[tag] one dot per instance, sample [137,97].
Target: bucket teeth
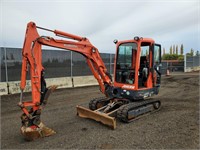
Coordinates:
[45,131]
[35,133]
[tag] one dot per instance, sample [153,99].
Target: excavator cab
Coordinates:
[137,68]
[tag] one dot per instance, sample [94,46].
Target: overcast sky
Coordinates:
[168,22]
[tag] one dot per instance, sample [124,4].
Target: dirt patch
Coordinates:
[175,126]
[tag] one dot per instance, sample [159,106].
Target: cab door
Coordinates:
[156,64]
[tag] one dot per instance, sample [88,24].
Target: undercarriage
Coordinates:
[106,110]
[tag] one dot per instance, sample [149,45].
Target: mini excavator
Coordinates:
[137,77]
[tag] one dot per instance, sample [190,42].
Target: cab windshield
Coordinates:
[126,56]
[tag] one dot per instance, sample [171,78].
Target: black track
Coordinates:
[122,112]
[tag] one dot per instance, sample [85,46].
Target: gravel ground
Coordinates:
[175,126]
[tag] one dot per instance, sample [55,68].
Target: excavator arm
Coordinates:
[32,62]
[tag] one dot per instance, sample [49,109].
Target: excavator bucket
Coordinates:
[30,133]
[36,131]
[97,116]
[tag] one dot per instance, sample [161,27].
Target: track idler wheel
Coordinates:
[98,103]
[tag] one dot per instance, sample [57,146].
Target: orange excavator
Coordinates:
[137,77]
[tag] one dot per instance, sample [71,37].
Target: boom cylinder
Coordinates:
[68,35]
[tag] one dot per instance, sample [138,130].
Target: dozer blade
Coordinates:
[97,116]
[30,133]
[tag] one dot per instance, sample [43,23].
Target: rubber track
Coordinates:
[123,110]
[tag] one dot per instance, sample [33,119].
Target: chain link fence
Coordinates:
[192,63]
[57,63]
[60,63]
[172,66]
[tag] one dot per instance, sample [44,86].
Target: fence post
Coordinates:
[110,63]
[185,62]
[192,61]
[71,63]
[167,66]
[6,69]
